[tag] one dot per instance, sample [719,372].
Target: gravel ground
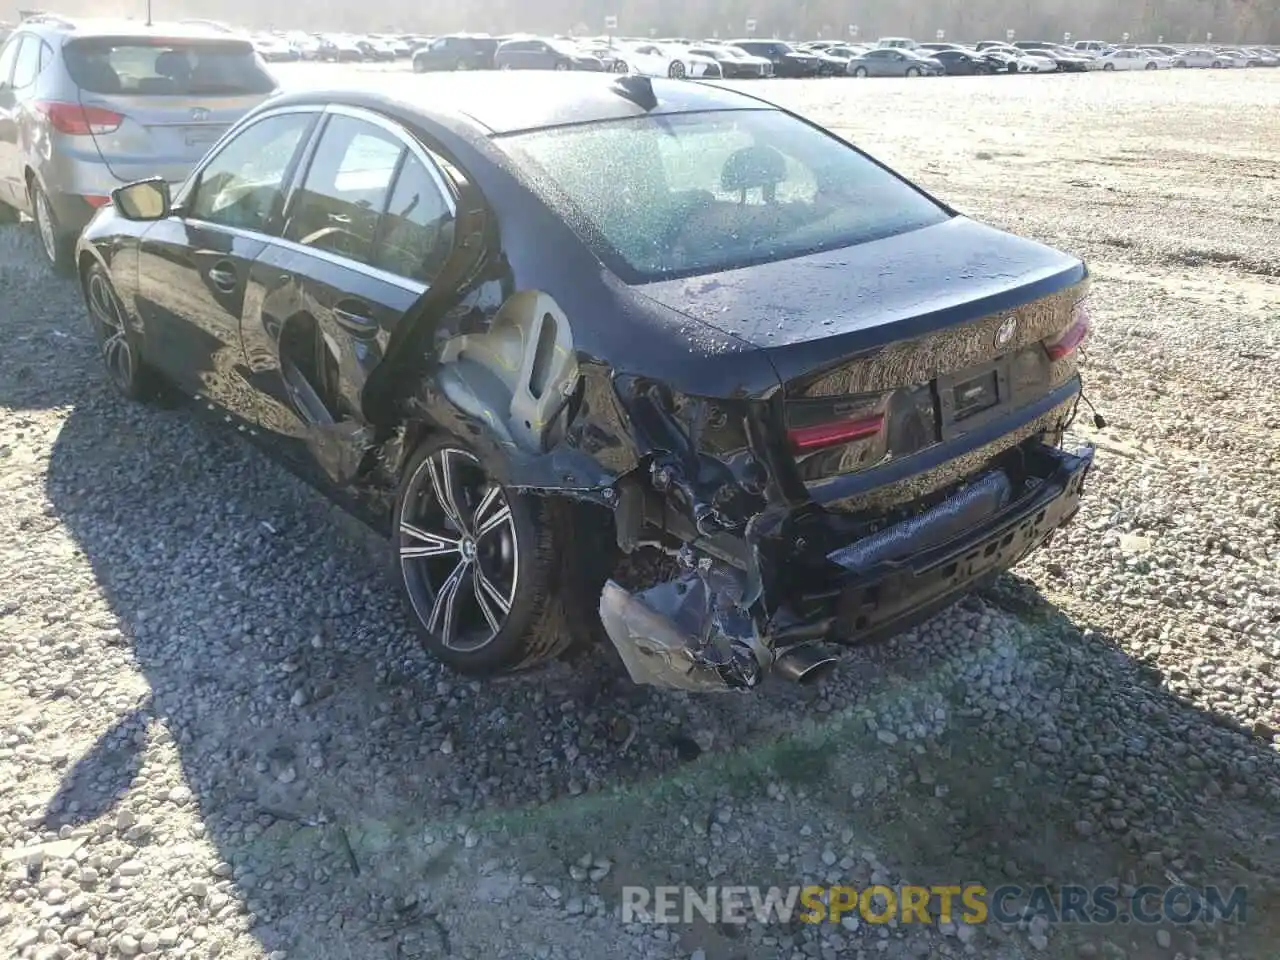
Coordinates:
[217,737]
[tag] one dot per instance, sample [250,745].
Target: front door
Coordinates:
[194,267]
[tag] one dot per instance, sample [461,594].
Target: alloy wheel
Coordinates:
[458,550]
[676,70]
[45,225]
[108,317]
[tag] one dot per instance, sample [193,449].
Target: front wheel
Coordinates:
[109,323]
[1217,64]
[912,72]
[676,71]
[1151,66]
[563,65]
[1108,66]
[860,72]
[496,580]
[621,67]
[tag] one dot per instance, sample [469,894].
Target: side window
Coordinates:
[7,56]
[27,66]
[242,185]
[346,189]
[416,235]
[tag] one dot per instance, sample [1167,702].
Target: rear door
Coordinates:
[175,97]
[365,235]
[194,267]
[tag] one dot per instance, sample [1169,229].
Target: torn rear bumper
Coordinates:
[893,595]
[698,632]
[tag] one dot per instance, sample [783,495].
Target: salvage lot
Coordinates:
[207,689]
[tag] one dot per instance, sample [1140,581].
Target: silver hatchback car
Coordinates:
[89,105]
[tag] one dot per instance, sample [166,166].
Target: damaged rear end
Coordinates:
[912,449]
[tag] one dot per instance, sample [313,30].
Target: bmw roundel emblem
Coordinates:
[1006,330]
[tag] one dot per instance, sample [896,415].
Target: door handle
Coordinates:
[222,277]
[355,320]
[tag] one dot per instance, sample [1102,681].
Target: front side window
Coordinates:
[346,189]
[683,194]
[242,186]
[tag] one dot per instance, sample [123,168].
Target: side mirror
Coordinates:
[144,200]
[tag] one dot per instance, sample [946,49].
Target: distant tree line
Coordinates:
[1177,21]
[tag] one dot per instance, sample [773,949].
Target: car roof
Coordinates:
[498,102]
[115,27]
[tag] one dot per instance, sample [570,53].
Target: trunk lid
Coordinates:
[891,346]
[174,97]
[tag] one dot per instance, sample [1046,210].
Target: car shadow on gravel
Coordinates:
[342,775]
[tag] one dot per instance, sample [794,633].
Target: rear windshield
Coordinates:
[667,196]
[162,68]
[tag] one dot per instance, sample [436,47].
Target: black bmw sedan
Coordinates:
[567,316]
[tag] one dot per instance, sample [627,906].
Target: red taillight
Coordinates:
[1065,343]
[822,435]
[78,120]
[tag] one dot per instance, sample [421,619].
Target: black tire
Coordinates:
[1151,66]
[1108,66]
[620,66]
[116,338]
[58,245]
[676,70]
[859,71]
[1217,64]
[912,72]
[542,560]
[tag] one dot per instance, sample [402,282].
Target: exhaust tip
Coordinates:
[804,665]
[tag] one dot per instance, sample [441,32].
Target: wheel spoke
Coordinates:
[115,351]
[442,484]
[480,584]
[486,504]
[491,592]
[499,518]
[429,545]
[444,612]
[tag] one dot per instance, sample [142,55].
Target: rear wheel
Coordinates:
[1108,66]
[54,240]
[419,66]
[621,67]
[496,581]
[912,72]
[461,65]
[1217,64]
[1151,66]
[676,70]
[563,65]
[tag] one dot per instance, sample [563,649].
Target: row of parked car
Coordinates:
[751,57]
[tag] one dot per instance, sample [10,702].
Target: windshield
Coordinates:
[166,67]
[678,195]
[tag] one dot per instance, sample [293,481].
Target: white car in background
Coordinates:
[1031,62]
[1131,59]
[1233,58]
[658,60]
[1200,58]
